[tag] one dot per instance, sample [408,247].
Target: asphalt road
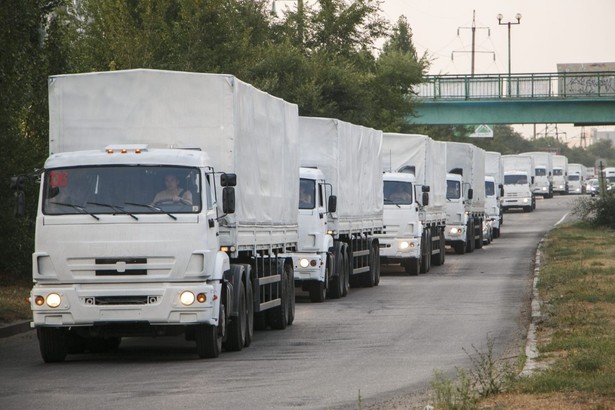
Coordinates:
[377,343]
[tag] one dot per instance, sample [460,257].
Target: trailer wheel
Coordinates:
[347,270]
[336,281]
[438,259]
[478,243]
[290,290]
[426,252]
[376,266]
[209,337]
[368,278]
[250,315]
[278,316]
[318,290]
[236,338]
[470,242]
[52,343]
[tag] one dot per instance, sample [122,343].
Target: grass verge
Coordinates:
[576,337]
[13,300]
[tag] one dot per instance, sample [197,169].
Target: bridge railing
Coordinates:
[520,86]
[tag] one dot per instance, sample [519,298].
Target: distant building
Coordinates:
[596,135]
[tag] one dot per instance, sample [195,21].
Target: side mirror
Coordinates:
[532,179]
[549,173]
[470,193]
[228,200]
[426,188]
[332,204]
[228,180]
[501,189]
[425,198]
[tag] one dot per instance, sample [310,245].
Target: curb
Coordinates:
[14,329]
[531,348]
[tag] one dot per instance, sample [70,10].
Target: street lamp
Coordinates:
[509,23]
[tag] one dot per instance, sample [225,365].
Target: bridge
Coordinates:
[581,98]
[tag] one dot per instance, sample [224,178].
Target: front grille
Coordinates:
[111,266]
[120,300]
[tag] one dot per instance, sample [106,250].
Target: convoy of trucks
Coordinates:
[186,203]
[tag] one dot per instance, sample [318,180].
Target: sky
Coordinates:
[550,32]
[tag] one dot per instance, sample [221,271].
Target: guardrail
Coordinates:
[519,86]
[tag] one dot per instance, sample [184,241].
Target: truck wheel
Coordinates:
[460,248]
[470,242]
[438,259]
[412,266]
[496,233]
[250,315]
[368,278]
[318,292]
[426,252]
[209,338]
[236,338]
[336,282]
[290,291]
[376,266]
[347,270]
[52,344]
[278,316]
[478,244]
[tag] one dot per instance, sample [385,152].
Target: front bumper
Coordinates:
[455,233]
[152,303]
[394,250]
[316,269]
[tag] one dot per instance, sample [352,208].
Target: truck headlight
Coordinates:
[186,298]
[404,245]
[455,231]
[53,300]
[304,263]
[525,200]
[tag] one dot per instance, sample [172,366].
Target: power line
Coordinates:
[474,51]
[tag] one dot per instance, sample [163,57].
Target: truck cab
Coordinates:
[457,221]
[542,182]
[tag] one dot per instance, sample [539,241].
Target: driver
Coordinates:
[173,193]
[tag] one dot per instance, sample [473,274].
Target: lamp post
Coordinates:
[509,23]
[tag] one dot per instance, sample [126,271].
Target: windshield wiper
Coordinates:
[115,208]
[155,208]
[77,207]
[393,202]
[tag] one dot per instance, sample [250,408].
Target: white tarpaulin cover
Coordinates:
[425,155]
[242,129]
[542,159]
[523,163]
[349,157]
[471,160]
[493,166]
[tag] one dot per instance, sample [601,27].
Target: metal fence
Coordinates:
[541,86]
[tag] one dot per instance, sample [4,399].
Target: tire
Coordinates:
[412,266]
[470,242]
[368,279]
[52,344]
[347,270]
[236,332]
[438,259]
[376,250]
[426,252]
[318,292]
[496,233]
[278,316]
[209,338]
[290,291]
[460,248]
[250,317]
[336,281]
[478,243]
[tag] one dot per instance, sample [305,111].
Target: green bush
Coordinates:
[598,211]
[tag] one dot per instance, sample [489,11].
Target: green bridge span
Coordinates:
[581,98]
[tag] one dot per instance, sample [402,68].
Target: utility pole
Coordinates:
[473,52]
[509,23]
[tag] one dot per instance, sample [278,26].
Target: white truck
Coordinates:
[518,177]
[543,173]
[576,178]
[340,207]
[414,201]
[167,206]
[465,195]
[494,180]
[560,174]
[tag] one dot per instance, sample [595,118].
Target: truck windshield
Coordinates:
[541,172]
[122,190]
[574,177]
[453,189]
[489,188]
[307,193]
[557,172]
[398,192]
[515,179]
